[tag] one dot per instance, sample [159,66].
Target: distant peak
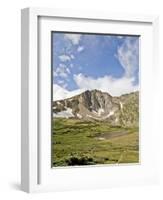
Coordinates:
[94,90]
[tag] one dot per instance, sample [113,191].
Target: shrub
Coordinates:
[79,160]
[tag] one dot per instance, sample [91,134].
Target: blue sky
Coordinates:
[92,61]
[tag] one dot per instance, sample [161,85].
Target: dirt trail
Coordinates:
[110,135]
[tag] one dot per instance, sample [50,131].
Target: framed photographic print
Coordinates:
[88,116]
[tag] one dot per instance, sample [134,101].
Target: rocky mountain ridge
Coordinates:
[100,106]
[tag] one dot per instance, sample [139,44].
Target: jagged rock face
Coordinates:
[97,105]
[94,100]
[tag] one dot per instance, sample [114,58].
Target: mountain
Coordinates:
[100,106]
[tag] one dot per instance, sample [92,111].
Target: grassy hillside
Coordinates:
[77,142]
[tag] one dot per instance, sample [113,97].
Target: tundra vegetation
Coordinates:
[78,142]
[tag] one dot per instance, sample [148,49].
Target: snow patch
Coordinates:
[121,105]
[64,114]
[110,114]
[99,112]
[102,118]
[79,116]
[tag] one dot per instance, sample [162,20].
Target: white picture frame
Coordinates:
[36,172]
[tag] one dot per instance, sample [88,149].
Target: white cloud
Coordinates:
[62,83]
[58,92]
[61,93]
[67,70]
[72,56]
[74,38]
[64,58]
[80,48]
[113,86]
[61,71]
[128,56]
